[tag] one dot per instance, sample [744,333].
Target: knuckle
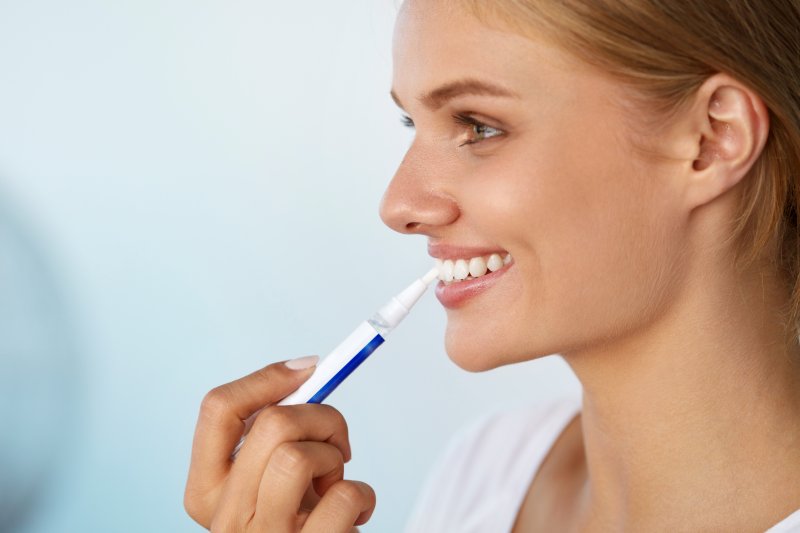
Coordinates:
[369,490]
[290,458]
[340,436]
[266,373]
[274,421]
[334,414]
[267,377]
[348,494]
[216,403]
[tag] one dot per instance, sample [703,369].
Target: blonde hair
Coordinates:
[666,49]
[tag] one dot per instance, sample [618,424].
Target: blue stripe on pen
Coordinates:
[351,365]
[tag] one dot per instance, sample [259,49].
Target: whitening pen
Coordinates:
[354,350]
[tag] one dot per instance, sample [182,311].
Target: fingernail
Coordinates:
[301,363]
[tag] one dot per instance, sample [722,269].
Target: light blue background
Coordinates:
[202,179]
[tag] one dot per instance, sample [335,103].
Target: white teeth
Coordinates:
[477,267]
[494,263]
[461,270]
[451,270]
[446,272]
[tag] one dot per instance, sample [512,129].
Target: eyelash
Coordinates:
[476,126]
[464,120]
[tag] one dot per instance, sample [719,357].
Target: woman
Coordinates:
[637,161]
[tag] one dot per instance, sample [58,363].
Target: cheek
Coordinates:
[596,242]
[609,239]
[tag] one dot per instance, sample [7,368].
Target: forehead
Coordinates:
[436,42]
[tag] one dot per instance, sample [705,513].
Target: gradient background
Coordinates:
[189,191]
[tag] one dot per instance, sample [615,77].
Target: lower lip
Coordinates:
[456,294]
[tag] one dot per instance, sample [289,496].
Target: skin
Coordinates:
[618,232]
[288,475]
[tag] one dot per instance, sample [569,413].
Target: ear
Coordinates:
[730,124]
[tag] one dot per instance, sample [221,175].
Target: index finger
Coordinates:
[222,417]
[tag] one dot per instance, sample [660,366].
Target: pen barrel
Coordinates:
[351,352]
[336,366]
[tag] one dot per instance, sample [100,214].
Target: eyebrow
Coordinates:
[438,97]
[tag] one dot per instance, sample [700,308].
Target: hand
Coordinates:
[288,475]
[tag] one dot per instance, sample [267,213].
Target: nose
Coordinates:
[416,200]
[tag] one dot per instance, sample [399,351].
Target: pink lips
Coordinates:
[455,294]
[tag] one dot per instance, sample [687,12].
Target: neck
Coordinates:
[696,417]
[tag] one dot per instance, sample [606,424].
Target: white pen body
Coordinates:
[351,352]
[337,365]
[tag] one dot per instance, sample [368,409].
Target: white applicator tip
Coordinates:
[431,275]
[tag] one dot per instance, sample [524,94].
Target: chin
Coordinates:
[471,354]
[476,351]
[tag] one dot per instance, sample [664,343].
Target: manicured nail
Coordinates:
[301,363]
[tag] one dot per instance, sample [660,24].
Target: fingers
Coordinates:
[344,504]
[274,426]
[288,475]
[220,425]
[289,472]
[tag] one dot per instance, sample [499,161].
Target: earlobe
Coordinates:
[733,129]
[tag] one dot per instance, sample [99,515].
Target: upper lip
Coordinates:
[452,251]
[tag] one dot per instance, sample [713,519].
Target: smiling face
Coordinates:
[522,149]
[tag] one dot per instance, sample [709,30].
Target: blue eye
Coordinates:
[480,130]
[407,122]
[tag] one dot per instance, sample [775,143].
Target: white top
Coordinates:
[480,482]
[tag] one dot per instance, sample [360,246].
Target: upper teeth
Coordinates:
[461,269]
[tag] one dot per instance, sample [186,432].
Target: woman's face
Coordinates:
[537,163]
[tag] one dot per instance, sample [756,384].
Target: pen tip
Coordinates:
[430,276]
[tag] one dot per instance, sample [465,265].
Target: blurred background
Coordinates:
[189,191]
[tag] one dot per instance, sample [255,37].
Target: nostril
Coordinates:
[411,226]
